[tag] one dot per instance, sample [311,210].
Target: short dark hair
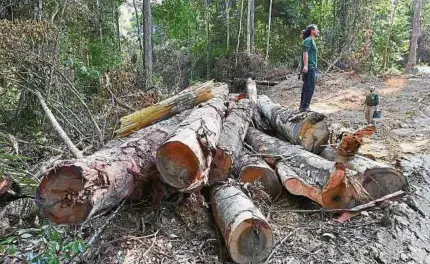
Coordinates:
[307,32]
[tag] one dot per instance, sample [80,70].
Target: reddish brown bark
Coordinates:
[74,190]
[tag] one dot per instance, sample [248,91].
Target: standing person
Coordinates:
[309,61]
[371,105]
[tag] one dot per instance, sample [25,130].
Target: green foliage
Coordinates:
[45,245]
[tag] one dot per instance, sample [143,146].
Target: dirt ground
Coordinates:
[181,230]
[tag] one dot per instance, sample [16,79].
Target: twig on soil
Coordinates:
[103,227]
[280,243]
[153,242]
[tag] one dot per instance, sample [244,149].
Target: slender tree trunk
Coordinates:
[99,19]
[227,13]
[40,11]
[75,151]
[387,45]
[139,33]
[118,30]
[250,38]
[268,30]
[148,42]
[416,32]
[240,31]
[207,37]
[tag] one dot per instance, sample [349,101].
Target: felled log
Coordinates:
[74,190]
[236,97]
[231,141]
[308,129]
[306,174]
[247,234]
[346,142]
[186,99]
[251,168]
[184,159]
[251,90]
[378,179]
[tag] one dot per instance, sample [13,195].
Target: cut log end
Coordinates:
[251,241]
[221,167]
[379,182]
[314,135]
[178,164]
[61,196]
[265,175]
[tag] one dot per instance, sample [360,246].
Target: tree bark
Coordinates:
[73,149]
[75,190]
[186,99]
[148,43]
[184,159]
[139,33]
[268,30]
[251,168]
[250,36]
[240,31]
[227,14]
[230,144]
[378,179]
[247,234]
[308,129]
[306,174]
[416,32]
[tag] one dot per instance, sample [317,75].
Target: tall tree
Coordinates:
[227,14]
[240,30]
[139,33]
[416,32]
[390,30]
[207,37]
[250,37]
[268,30]
[148,43]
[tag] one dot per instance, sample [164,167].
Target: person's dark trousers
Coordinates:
[308,89]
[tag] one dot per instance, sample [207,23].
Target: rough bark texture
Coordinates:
[247,234]
[186,99]
[250,36]
[251,168]
[306,174]
[74,190]
[184,159]
[308,129]
[377,178]
[231,141]
[416,32]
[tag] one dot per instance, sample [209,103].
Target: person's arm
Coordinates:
[305,61]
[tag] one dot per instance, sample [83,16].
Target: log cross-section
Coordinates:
[306,174]
[308,129]
[247,234]
[74,190]
[230,144]
[184,159]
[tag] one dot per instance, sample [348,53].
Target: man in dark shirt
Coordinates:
[309,60]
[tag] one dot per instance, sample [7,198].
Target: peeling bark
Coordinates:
[231,141]
[74,190]
[184,159]
[247,234]
[308,129]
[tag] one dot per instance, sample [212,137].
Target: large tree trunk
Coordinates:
[308,129]
[306,174]
[377,178]
[184,100]
[74,190]
[247,234]
[416,32]
[250,37]
[148,43]
[251,168]
[184,159]
[231,141]
[268,30]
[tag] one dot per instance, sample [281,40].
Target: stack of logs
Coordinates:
[222,141]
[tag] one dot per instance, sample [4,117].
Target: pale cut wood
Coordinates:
[251,90]
[377,178]
[308,129]
[230,144]
[184,159]
[251,168]
[246,232]
[72,191]
[186,99]
[306,174]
